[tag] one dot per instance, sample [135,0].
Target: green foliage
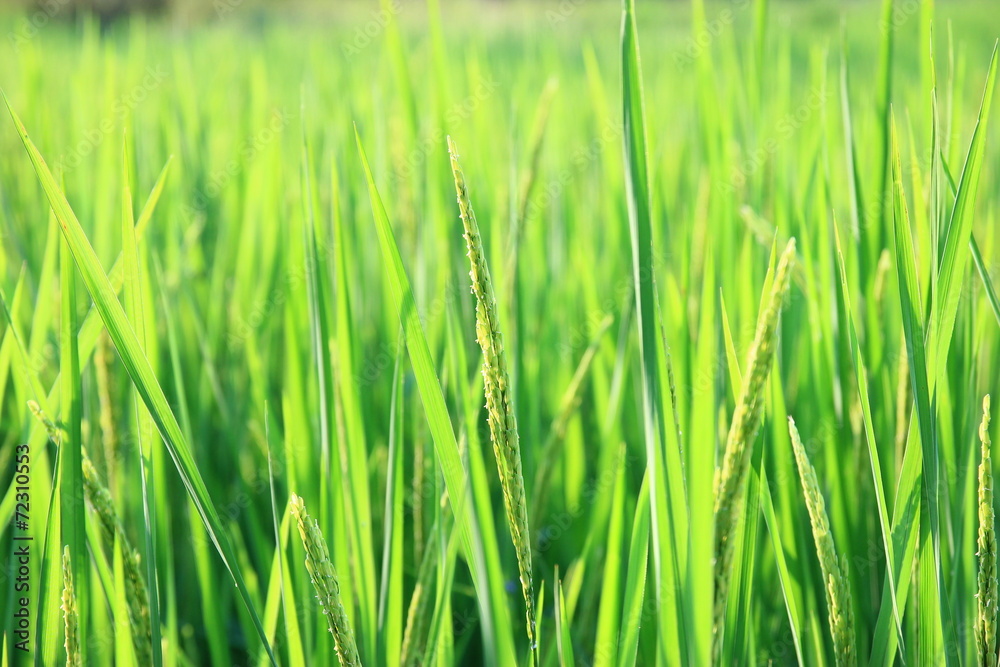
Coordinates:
[215,298]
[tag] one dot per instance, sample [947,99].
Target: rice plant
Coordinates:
[536,396]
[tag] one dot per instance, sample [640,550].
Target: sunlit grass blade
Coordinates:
[606,640]
[913,325]
[635,579]
[669,512]
[991,294]
[563,639]
[138,367]
[71,448]
[131,282]
[390,615]
[861,375]
[958,235]
[489,585]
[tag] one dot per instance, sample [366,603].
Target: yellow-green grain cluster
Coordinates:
[731,478]
[418,615]
[136,593]
[499,401]
[71,615]
[986,617]
[838,588]
[324,580]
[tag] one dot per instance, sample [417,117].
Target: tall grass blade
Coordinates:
[138,368]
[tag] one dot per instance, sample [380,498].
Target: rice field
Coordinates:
[496,333]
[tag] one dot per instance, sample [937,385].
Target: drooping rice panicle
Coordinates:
[986,597]
[50,427]
[835,570]
[109,435]
[100,500]
[903,402]
[731,477]
[71,615]
[324,580]
[881,279]
[136,593]
[418,614]
[499,401]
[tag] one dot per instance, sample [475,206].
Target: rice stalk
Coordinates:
[986,617]
[324,580]
[418,614]
[731,478]
[71,615]
[881,280]
[109,434]
[838,588]
[499,402]
[136,593]
[903,401]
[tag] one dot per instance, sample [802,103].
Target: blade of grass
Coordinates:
[496,619]
[930,618]
[669,512]
[143,422]
[861,375]
[71,448]
[138,368]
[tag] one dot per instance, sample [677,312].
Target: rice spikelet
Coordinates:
[109,432]
[499,402]
[71,615]
[903,402]
[838,589]
[986,617]
[50,428]
[730,479]
[136,593]
[324,580]
[419,612]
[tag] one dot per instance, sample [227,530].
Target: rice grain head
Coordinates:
[419,613]
[324,580]
[136,593]
[109,432]
[730,479]
[71,615]
[838,588]
[499,402]
[986,617]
